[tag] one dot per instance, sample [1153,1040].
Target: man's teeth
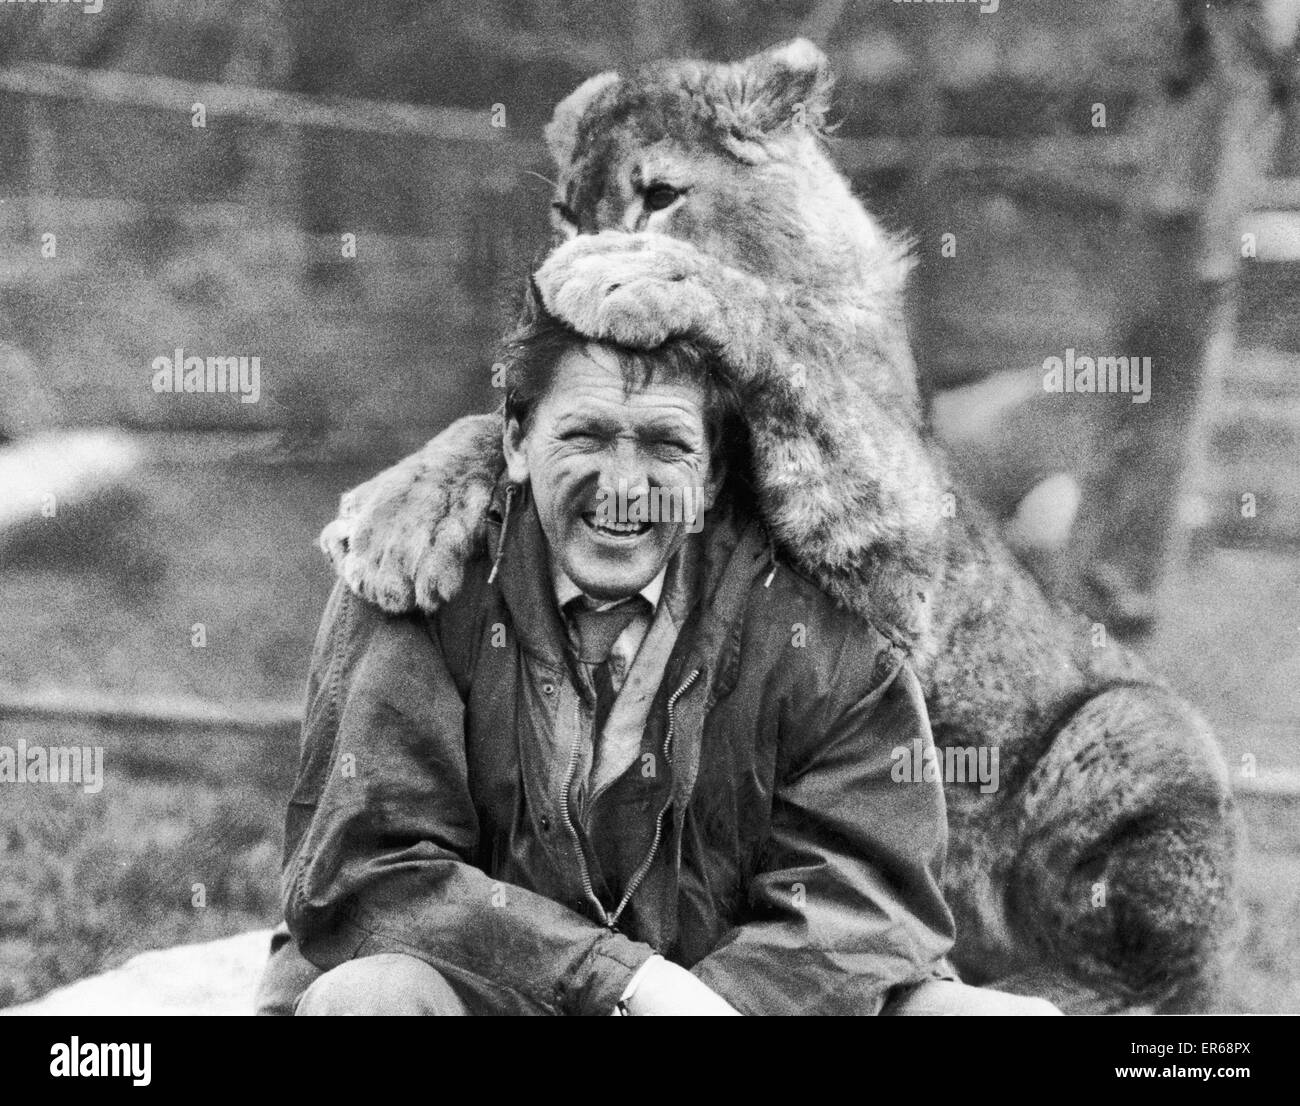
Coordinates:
[613,526]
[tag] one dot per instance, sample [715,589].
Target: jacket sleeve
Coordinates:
[847,900]
[382,829]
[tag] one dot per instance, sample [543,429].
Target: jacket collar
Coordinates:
[566,590]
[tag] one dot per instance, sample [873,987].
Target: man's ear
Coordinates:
[512,445]
[562,131]
[786,87]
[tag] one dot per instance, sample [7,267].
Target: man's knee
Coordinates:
[944,997]
[286,976]
[387,984]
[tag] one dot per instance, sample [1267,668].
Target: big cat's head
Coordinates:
[729,157]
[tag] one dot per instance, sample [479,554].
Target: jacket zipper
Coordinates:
[584,873]
[641,872]
[610,921]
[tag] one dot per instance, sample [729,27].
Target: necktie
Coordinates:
[597,631]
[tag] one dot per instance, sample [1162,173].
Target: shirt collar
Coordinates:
[566,590]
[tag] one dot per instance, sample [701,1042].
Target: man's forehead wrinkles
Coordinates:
[592,392]
[643,421]
[586,417]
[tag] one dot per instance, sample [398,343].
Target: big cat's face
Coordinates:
[738,212]
[623,184]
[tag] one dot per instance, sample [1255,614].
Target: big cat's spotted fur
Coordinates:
[1099,873]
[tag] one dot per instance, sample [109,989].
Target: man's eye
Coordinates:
[674,449]
[660,196]
[564,211]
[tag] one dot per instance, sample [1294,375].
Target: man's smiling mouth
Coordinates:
[611,528]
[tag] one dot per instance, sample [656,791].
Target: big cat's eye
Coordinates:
[660,196]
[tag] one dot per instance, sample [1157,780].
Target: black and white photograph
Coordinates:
[651,508]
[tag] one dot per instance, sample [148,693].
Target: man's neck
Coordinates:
[566,591]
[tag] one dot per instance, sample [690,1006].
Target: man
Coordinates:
[636,764]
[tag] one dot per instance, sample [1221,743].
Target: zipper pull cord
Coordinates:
[771,560]
[511,491]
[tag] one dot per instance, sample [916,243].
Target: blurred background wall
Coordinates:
[165,607]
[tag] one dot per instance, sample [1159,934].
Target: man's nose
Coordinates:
[624,471]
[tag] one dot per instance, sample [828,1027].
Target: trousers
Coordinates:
[394,984]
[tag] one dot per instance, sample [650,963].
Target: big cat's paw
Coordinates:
[402,539]
[636,290]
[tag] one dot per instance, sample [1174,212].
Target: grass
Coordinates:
[90,880]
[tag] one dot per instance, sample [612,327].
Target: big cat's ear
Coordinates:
[562,131]
[786,86]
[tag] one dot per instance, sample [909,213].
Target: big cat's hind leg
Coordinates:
[1126,847]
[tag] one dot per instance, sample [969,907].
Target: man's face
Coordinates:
[596,457]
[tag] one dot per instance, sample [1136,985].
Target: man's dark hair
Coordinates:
[531,353]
